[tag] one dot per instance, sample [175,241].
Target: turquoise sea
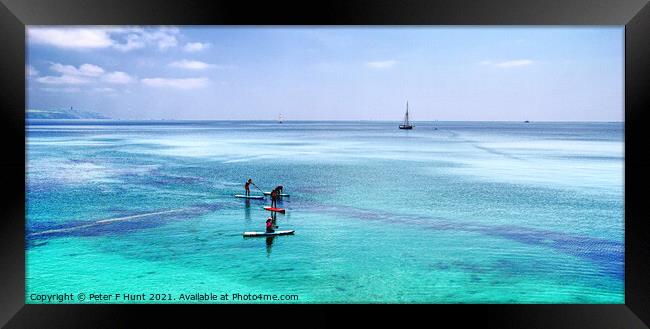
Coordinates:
[450,212]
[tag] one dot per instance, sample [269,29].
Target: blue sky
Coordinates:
[329,73]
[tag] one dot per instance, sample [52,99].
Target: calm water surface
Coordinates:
[450,212]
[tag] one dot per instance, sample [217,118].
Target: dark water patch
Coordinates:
[119,211]
[289,144]
[494,151]
[167,180]
[285,269]
[607,255]
[590,157]
[107,139]
[158,258]
[440,266]
[468,267]
[510,265]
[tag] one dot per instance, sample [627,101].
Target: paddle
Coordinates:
[258,188]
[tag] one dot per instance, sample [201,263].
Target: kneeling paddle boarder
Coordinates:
[269,225]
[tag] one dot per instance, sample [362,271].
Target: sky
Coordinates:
[329,73]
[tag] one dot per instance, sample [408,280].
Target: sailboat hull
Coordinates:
[405,127]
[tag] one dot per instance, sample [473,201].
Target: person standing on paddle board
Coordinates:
[247,186]
[274,197]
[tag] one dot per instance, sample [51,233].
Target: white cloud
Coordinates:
[510,63]
[62,90]
[188,83]
[520,62]
[77,38]
[381,64]
[71,75]
[62,80]
[191,65]
[123,39]
[163,37]
[85,73]
[133,41]
[104,90]
[117,77]
[195,46]
[87,70]
[30,71]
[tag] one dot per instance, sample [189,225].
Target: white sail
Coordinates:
[406,116]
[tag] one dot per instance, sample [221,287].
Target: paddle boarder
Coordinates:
[275,194]
[247,186]
[269,225]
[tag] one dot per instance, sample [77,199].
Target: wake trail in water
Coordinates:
[476,144]
[109,220]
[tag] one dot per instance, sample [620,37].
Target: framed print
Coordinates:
[475,158]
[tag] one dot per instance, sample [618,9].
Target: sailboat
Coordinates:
[280,118]
[406,124]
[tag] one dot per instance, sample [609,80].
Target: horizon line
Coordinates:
[317,120]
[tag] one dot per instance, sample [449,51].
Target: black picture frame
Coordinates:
[16,14]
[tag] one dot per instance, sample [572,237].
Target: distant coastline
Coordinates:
[62,114]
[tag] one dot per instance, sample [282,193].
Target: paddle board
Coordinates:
[257,234]
[280,210]
[248,196]
[281,194]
